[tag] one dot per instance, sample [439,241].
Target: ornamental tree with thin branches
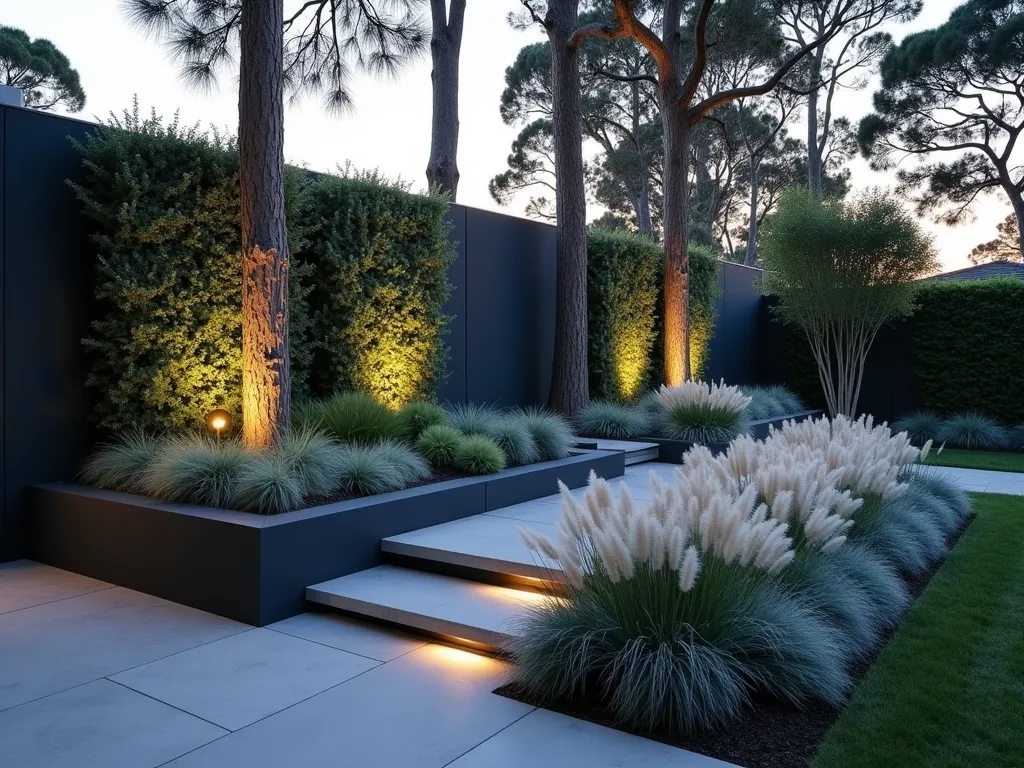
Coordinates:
[953,98]
[841,271]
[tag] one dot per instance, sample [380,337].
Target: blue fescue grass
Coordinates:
[478,455]
[920,426]
[268,485]
[350,417]
[614,421]
[551,433]
[196,470]
[416,417]
[515,441]
[972,430]
[473,418]
[438,445]
[122,465]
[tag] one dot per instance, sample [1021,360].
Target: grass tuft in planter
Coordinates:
[439,444]
[350,417]
[515,441]
[763,403]
[972,430]
[197,470]
[472,418]
[614,421]
[365,470]
[122,465]
[787,399]
[478,455]
[409,467]
[697,412]
[417,417]
[268,485]
[312,458]
[920,426]
[550,432]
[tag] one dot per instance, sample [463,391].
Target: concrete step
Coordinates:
[480,616]
[636,452]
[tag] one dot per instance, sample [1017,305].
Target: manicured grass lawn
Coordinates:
[957,457]
[949,688]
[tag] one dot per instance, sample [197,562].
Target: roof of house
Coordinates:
[985,271]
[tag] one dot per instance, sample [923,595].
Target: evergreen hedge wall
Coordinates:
[624,281]
[166,347]
[968,347]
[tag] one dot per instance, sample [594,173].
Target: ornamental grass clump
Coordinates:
[473,418]
[697,412]
[197,470]
[614,421]
[122,465]
[787,399]
[973,431]
[438,445]
[551,433]
[364,470]
[418,416]
[312,458]
[268,485]
[407,465]
[478,455]
[515,441]
[672,612]
[920,426]
[350,417]
[763,404]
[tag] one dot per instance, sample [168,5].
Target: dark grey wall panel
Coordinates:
[47,301]
[734,345]
[454,388]
[510,308]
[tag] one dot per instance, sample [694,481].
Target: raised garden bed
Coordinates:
[671,451]
[256,569]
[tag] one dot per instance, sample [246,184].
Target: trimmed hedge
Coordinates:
[624,280]
[381,258]
[166,347]
[623,283]
[968,348]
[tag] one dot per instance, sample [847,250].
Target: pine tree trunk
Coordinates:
[569,383]
[755,184]
[1017,201]
[445,47]
[642,207]
[815,169]
[676,132]
[266,379]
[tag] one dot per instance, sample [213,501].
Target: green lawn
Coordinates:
[957,457]
[949,688]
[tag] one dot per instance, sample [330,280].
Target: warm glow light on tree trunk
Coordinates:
[266,380]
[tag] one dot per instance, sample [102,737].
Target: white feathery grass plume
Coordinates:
[689,570]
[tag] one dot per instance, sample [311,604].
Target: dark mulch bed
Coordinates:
[319,499]
[770,734]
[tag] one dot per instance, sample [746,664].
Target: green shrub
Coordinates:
[920,426]
[551,433]
[166,347]
[196,470]
[418,416]
[967,349]
[268,485]
[473,419]
[122,465]
[623,279]
[478,455]
[351,417]
[972,430]
[515,441]
[381,257]
[439,444]
[612,420]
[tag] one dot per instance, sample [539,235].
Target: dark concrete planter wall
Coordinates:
[256,569]
[671,451]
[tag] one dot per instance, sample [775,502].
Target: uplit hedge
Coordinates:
[165,348]
[624,279]
[968,347]
[381,258]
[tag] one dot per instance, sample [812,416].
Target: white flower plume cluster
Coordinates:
[869,457]
[686,528]
[797,487]
[695,394]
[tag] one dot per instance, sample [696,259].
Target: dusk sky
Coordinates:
[390,126]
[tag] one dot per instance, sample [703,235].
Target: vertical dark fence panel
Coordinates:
[454,388]
[47,301]
[510,308]
[734,345]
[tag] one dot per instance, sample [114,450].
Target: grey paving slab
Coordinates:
[422,710]
[369,640]
[538,511]
[982,480]
[24,583]
[546,739]
[243,678]
[486,542]
[55,646]
[98,725]
[428,602]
